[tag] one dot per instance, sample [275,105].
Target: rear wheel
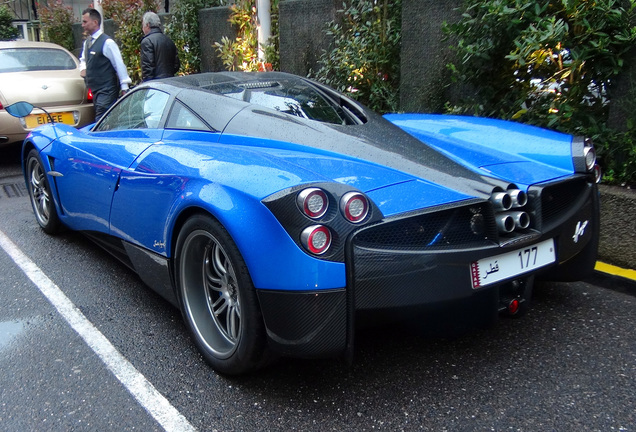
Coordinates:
[218,299]
[40,194]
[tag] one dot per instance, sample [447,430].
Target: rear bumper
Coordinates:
[321,323]
[12,130]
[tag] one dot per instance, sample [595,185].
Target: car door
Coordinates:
[87,166]
[157,179]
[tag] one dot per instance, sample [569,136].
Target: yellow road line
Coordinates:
[616,271]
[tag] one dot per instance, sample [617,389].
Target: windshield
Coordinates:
[35,59]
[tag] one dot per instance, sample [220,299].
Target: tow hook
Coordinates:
[513,295]
[510,306]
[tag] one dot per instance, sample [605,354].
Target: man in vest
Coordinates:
[101,64]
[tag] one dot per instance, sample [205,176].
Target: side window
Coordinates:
[142,109]
[181,117]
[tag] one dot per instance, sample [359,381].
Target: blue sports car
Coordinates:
[274,211]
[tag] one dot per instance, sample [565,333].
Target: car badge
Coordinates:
[579,230]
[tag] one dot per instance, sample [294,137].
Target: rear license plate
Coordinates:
[35,120]
[497,268]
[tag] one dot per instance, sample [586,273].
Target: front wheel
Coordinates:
[41,195]
[217,297]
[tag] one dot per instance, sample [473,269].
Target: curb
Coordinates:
[615,271]
[614,278]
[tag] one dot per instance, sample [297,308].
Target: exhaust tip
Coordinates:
[519,197]
[501,201]
[522,220]
[505,223]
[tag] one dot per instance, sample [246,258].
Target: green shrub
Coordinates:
[365,59]
[127,15]
[242,52]
[548,63]
[7,31]
[56,23]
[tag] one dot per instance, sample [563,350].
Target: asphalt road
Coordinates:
[569,365]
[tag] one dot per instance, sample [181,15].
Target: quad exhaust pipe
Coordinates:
[508,207]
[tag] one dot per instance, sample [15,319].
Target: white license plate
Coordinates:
[497,268]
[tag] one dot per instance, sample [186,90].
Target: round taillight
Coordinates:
[313,202]
[354,206]
[316,239]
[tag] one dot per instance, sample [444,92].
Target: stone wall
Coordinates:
[618,226]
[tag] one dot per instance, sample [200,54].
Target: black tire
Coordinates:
[41,195]
[217,297]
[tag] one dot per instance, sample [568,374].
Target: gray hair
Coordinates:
[152,19]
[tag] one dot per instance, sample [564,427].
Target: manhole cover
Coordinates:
[13,190]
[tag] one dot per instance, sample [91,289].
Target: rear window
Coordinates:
[35,59]
[294,97]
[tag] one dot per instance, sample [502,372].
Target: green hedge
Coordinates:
[550,63]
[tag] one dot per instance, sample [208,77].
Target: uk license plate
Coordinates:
[494,269]
[35,120]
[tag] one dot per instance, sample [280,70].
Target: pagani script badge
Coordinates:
[579,230]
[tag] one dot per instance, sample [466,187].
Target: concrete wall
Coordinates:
[425,54]
[302,33]
[213,25]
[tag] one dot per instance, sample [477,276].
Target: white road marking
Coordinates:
[141,389]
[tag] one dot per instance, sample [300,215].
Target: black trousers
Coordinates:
[103,100]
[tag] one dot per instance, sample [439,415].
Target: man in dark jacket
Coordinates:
[159,57]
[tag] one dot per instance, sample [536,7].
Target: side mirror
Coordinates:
[20,109]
